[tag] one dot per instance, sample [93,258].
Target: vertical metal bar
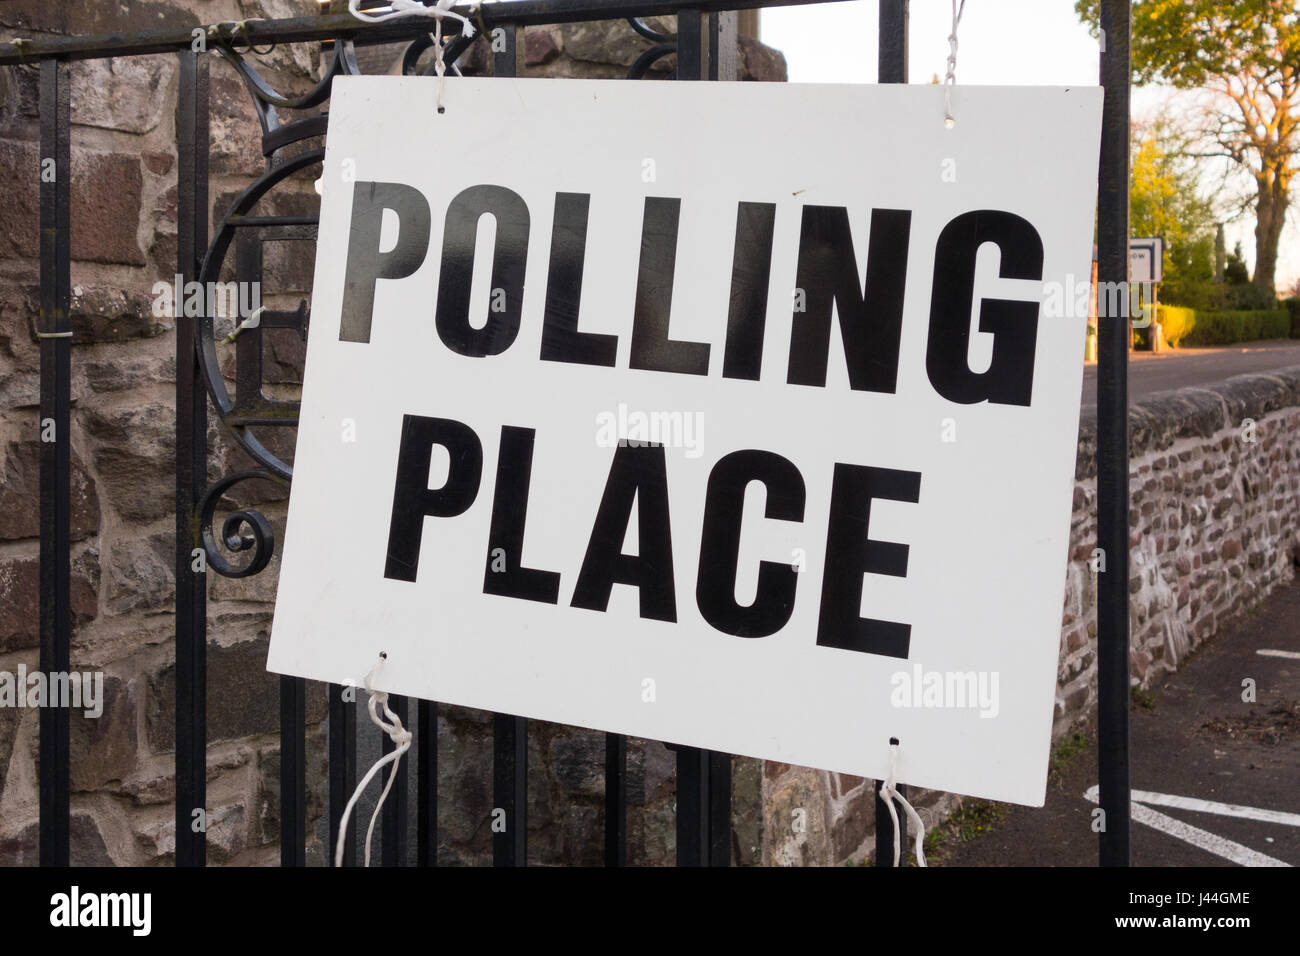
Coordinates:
[615,800]
[703,777]
[393,852]
[692,46]
[342,767]
[426,784]
[510,790]
[293,771]
[892,43]
[56,454]
[692,799]
[718,803]
[885,825]
[191,471]
[509,59]
[885,831]
[891,66]
[293,690]
[509,734]
[1112,441]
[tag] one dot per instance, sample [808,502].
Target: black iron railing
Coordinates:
[703,777]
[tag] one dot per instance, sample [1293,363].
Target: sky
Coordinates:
[1000,42]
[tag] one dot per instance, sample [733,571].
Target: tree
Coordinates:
[1164,200]
[1236,273]
[1247,53]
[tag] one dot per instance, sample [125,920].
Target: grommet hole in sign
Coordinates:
[414,8]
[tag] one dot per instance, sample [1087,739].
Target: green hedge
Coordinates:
[1194,327]
[1293,306]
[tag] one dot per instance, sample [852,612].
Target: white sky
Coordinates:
[1013,42]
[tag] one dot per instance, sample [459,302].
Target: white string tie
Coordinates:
[888,794]
[407,8]
[951,78]
[414,8]
[390,724]
[439,66]
[253,321]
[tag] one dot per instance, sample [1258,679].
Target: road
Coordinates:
[1198,740]
[1177,368]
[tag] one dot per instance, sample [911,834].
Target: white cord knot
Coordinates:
[391,725]
[414,8]
[407,8]
[888,794]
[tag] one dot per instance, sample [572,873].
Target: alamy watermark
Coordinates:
[211,299]
[133,911]
[672,429]
[1073,299]
[949,690]
[77,691]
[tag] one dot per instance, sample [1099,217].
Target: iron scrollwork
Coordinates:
[664,45]
[249,407]
[245,529]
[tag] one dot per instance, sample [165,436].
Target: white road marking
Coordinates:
[1205,840]
[1289,655]
[1211,806]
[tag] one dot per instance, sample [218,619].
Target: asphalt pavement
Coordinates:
[1178,368]
[1216,778]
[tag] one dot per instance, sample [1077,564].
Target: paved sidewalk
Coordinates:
[1178,368]
[1197,739]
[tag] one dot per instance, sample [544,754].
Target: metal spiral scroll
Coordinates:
[281,413]
[664,45]
[455,45]
[275,137]
[246,529]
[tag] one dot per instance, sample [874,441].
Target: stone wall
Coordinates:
[1214,523]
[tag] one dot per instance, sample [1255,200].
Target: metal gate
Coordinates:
[705,48]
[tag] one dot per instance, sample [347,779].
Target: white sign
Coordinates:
[718,414]
[1146,259]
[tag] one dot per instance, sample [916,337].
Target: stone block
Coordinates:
[20,494]
[87,844]
[135,456]
[141,575]
[243,698]
[20,596]
[107,314]
[103,748]
[122,93]
[796,820]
